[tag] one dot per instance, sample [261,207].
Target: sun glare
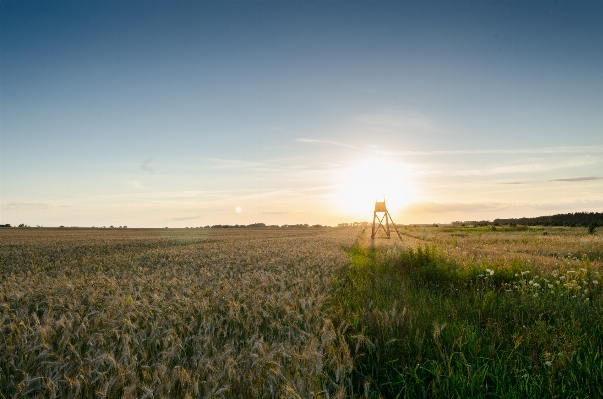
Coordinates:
[363,184]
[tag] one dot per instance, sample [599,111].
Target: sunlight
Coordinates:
[373,180]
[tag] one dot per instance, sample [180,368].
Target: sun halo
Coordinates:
[359,186]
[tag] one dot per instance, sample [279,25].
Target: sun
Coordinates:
[359,186]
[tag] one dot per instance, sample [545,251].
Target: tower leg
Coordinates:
[387,223]
[374,217]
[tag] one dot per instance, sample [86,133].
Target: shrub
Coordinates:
[592,227]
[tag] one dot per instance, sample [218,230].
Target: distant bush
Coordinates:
[592,227]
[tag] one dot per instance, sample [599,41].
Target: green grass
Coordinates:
[419,326]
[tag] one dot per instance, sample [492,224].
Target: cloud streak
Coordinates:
[330,142]
[406,121]
[532,167]
[574,179]
[30,205]
[180,219]
[145,166]
[536,150]
[135,184]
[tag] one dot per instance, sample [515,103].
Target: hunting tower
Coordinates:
[381,208]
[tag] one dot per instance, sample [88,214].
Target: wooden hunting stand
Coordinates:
[380,207]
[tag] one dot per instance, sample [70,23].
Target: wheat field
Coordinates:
[171,313]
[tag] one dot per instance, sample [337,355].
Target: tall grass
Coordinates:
[421,325]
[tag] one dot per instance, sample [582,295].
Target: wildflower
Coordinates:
[548,363]
[583,270]
[525,376]
[571,271]
[536,285]
[480,275]
[595,282]
[551,286]
[531,282]
[562,278]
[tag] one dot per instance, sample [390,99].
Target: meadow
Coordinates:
[317,312]
[501,312]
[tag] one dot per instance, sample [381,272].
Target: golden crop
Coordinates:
[544,248]
[170,313]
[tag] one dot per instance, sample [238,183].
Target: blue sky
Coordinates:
[194,113]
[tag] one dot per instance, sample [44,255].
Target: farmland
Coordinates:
[169,313]
[447,312]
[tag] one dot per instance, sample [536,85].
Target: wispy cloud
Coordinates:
[135,184]
[532,167]
[31,205]
[534,150]
[180,219]
[446,207]
[516,182]
[572,179]
[397,120]
[426,172]
[322,141]
[568,179]
[145,166]
[221,163]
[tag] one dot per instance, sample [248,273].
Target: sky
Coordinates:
[177,114]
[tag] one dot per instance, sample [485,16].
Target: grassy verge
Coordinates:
[419,326]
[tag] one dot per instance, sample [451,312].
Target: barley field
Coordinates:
[444,312]
[170,313]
